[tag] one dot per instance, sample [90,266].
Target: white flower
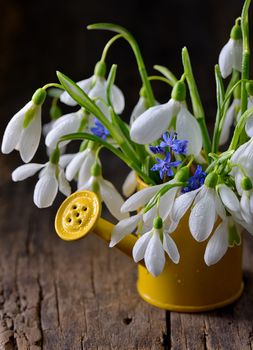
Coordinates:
[150,247]
[67,124]
[130,184]
[204,213]
[139,200]
[49,182]
[108,193]
[149,126]
[95,87]
[231,57]
[80,166]
[139,109]
[243,156]
[24,139]
[230,117]
[227,234]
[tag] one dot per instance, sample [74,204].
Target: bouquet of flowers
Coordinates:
[167,146]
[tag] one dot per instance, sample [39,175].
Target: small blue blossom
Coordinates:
[100,130]
[171,141]
[195,181]
[156,149]
[164,166]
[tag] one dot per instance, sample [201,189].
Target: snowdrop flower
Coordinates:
[205,210]
[149,126]
[139,109]
[67,124]
[150,247]
[80,166]
[130,184]
[24,130]
[51,178]
[145,219]
[105,189]
[227,234]
[95,87]
[244,157]
[231,116]
[231,55]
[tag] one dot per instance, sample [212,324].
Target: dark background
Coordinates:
[38,38]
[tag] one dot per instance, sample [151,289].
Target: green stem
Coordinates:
[158,78]
[108,45]
[240,128]
[167,73]
[198,110]
[58,86]
[132,42]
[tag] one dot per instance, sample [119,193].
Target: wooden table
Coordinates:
[81,295]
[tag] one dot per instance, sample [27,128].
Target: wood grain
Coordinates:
[82,295]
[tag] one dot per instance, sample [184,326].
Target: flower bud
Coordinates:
[236,32]
[96,170]
[211,180]
[179,91]
[158,223]
[183,174]
[246,183]
[39,96]
[100,69]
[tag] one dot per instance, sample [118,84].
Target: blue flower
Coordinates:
[156,149]
[164,166]
[100,130]
[195,181]
[171,141]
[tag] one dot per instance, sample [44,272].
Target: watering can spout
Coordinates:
[80,214]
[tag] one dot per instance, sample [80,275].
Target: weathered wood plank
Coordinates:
[58,295]
[229,328]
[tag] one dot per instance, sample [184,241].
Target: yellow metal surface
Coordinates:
[192,286]
[77,215]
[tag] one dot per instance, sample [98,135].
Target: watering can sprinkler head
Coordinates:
[80,214]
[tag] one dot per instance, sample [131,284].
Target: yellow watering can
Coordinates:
[190,286]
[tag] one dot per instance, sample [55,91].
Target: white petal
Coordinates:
[166,202]
[245,208]
[228,198]
[228,122]
[220,209]
[188,128]
[65,159]
[249,127]
[68,125]
[217,245]
[45,191]
[112,199]
[85,170]
[182,204]
[13,130]
[99,89]
[83,84]
[251,203]
[25,171]
[64,186]
[130,184]
[140,198]
[171,249]
[226,59]
[30,137]
[141,246]
[139,109]
[238,182]
[118,100]
[75,164]
[123,228]
[202,217]
[149,126]
[237,55]
[154,256]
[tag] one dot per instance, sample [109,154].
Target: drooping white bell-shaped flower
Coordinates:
[51,179]
[95,87]
[150,247]
[138,110]
[155,121]
[231,54]
[130,184]
[23,132]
